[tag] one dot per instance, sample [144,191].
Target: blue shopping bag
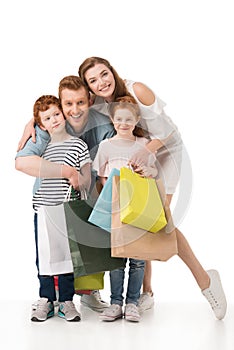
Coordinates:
[102,210]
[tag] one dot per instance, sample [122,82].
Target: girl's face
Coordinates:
[52,120]
[124,121]
[101,81]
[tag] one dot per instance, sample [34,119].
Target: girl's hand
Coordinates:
[29,131]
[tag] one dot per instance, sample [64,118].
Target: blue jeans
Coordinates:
[135,280]
[47,287]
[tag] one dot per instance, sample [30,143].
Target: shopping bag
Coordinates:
[101,213]
[89,282]
[53,247]
[90,245]
[132,242]
[140,201]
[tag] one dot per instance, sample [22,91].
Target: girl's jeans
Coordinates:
[47,287]
[135,280]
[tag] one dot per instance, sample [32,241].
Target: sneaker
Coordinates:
[131,313]
[68,311]
[215,295]
[145,302]
[35,304]
[94,301]
[44,310]
[111,313]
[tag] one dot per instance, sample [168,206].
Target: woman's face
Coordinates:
[101,81]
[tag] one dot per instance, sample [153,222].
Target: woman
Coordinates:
[105,85]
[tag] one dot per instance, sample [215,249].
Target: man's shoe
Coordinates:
[111,313]
[131,313]
[68,311]
[145,302]
[44,310]
[94,301]
[215,295]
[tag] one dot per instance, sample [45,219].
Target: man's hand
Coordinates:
[29,131]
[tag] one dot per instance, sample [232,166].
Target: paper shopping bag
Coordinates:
[140,201]
[53,247]
[101,213]
[90,245]
[132,242]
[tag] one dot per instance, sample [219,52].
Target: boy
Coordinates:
[70,153]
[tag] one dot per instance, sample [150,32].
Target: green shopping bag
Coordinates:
[90,246]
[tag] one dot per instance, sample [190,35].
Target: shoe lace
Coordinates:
[97,295]
[41,304]
[131,308]
[70,305]
[212,300]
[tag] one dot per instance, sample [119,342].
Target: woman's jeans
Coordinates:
[47,287]
[135,280]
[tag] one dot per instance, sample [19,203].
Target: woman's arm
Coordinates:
[145,95]
[29,131]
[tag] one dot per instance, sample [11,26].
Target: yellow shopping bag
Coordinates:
[140,202]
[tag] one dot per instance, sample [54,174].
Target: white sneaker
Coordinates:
[112,313]
[36,303]
[94,301]
[131,313]
[215,295]
[68,311]
[145,302]
[44,310]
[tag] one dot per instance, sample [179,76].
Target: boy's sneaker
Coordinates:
[68,311]
[35,304]
[145,302]
[111,313]
[94,301]
[132,313]
[44,310]
[215,295]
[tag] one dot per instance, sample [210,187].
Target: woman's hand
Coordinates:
[29,131]
[141,158]
[145,171]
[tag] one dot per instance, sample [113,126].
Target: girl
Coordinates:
[112,153]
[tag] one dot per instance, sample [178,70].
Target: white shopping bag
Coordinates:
[53,245]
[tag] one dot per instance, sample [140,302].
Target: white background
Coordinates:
[183,50]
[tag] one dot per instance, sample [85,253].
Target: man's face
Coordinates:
[75,104]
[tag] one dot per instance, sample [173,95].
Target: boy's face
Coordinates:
[75,104]
[52,120]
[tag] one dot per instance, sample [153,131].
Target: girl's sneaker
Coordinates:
[132,313]
[111,313]
[43,310]
[68,311]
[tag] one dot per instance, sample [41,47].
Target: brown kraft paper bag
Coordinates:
[131,242]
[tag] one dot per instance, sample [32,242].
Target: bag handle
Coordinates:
[71,191]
